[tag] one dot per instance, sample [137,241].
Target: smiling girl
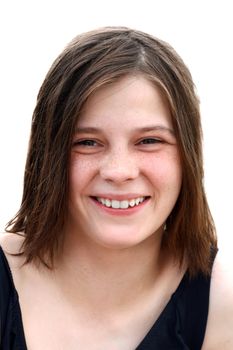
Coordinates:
[114,245]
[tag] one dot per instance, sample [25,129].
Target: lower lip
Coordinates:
[121,212]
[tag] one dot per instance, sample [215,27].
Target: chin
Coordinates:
[123,239]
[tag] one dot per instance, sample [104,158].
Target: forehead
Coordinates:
[132,98]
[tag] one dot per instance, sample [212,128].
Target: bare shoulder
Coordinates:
[11,244]
[219,334]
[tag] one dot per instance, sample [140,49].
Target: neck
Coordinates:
[98,275]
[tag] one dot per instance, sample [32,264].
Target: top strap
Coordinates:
[195,303]
[6,287]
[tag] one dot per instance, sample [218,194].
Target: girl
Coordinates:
[114,244]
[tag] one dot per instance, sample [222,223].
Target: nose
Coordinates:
[119,166]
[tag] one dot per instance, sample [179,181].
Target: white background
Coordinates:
[34,32]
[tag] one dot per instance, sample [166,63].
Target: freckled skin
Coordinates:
[119,162]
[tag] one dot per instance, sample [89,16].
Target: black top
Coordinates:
[180,326]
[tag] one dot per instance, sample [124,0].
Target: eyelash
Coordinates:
[84,143]
[147,141]
[89,142]
[90,146]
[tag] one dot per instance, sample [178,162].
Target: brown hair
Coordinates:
[92,60]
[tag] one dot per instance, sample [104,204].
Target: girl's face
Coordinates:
[125,172]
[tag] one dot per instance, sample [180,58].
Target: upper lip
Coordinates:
[120,197]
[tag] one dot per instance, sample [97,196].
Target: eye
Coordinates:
[85,143]
[87,146]
[149,141]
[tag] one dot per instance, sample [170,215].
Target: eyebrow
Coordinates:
[90,129]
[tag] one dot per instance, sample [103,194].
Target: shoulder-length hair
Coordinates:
[89,62]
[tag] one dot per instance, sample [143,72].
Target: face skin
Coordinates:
[124,148]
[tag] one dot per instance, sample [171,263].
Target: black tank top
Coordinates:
[180,326]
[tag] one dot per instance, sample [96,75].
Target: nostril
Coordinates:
[117,174]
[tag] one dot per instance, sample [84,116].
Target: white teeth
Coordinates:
[116,204]
[132,203]
[107,202]
[125,204]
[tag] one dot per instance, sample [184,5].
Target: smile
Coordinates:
[125,204]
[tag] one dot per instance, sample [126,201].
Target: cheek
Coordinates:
[81,172]
[164,170]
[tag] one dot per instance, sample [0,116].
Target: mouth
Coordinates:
[124,204]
